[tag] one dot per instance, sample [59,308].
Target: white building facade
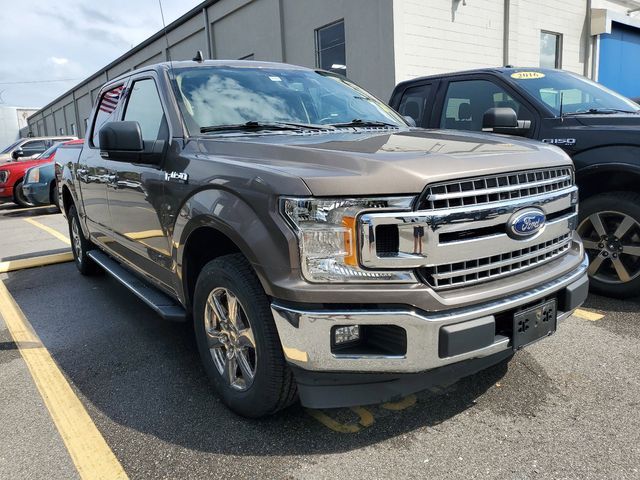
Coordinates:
[379,43]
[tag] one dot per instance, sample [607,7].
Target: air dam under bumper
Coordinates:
[329,378]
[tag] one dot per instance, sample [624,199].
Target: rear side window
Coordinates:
[34,147]
[144,107]
[106,110]
[414,104]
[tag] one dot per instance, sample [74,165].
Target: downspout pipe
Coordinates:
[587,42]
[505,32]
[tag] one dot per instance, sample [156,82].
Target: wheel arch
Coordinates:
[608,177]
[216,222]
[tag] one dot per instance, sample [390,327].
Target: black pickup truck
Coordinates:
[598,128]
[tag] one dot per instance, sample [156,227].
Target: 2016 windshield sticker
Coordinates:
[527,75]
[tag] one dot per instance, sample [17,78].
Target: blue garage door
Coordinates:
[619,67]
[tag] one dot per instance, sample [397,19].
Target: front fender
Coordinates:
[611,157]
[260,233]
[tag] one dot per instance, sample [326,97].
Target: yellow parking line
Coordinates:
[406,402]
[41,261]
[587,315]
[55,233]
[89,451]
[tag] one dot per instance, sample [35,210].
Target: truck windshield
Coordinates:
[230,96]
[578,94]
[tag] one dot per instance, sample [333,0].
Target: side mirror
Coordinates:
[504,120]
[121,137]
[17,153]
[122,142]
[410,120]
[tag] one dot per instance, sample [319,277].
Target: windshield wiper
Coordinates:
[599,110]
[254,126]
[357,122]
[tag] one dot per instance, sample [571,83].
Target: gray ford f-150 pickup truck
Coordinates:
[322,247]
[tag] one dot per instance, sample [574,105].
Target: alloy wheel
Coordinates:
[77,241]
[230,339]
[612,241]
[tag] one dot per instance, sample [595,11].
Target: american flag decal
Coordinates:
[110,100]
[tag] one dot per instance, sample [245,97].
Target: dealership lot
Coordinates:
[568,407]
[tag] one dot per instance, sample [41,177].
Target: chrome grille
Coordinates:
[495,188]
[489,268]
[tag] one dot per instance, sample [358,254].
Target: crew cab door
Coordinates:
[416,101]
[136,196]
[94,173]
[461,102]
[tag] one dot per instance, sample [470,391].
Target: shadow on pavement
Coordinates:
[15,211]
[136,371]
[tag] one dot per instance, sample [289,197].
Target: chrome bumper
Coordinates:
[305,335]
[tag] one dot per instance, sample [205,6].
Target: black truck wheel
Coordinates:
[19,196]
[80,245]
[610,229]
[238,341]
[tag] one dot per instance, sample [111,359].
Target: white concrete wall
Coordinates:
[435,36]
[12,119]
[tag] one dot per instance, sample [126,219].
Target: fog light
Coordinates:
[345,334]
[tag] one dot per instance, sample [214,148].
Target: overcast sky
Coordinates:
[70,39]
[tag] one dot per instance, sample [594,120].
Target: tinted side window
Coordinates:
[34,147]
[414,104]
[467,100]
[145,108]
[106,109]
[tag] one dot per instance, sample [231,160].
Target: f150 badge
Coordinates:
[526,223]
[560,141]
[176,177]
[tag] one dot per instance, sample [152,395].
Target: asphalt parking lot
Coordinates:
[564,408]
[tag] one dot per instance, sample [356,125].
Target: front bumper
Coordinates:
[37,193]
[6,193]
[305,337]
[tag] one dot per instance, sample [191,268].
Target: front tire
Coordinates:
[80,246]
[609,225]
[238,341]
[19,196]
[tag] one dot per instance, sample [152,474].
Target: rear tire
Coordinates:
[241,353]
[19,196]
[80,246]
[609,225]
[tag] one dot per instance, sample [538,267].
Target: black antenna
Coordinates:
[561,104]
[166,38]
[199,57]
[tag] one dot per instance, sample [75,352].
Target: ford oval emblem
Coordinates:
[526,223]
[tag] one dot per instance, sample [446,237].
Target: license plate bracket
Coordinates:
[534,323]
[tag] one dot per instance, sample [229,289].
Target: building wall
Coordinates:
[386,41]
[270,30]
[435,36]
[12,120]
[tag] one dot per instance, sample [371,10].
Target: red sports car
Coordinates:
[12,175]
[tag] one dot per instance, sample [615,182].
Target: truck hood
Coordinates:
[611,121]
[383,162]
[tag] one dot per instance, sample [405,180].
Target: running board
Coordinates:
[164,305]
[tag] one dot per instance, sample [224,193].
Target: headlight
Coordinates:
[326,230]
[34,176]
[4,176]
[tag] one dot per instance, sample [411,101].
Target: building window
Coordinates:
[61,131]
[73,129]
[330,48]
[550,50]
